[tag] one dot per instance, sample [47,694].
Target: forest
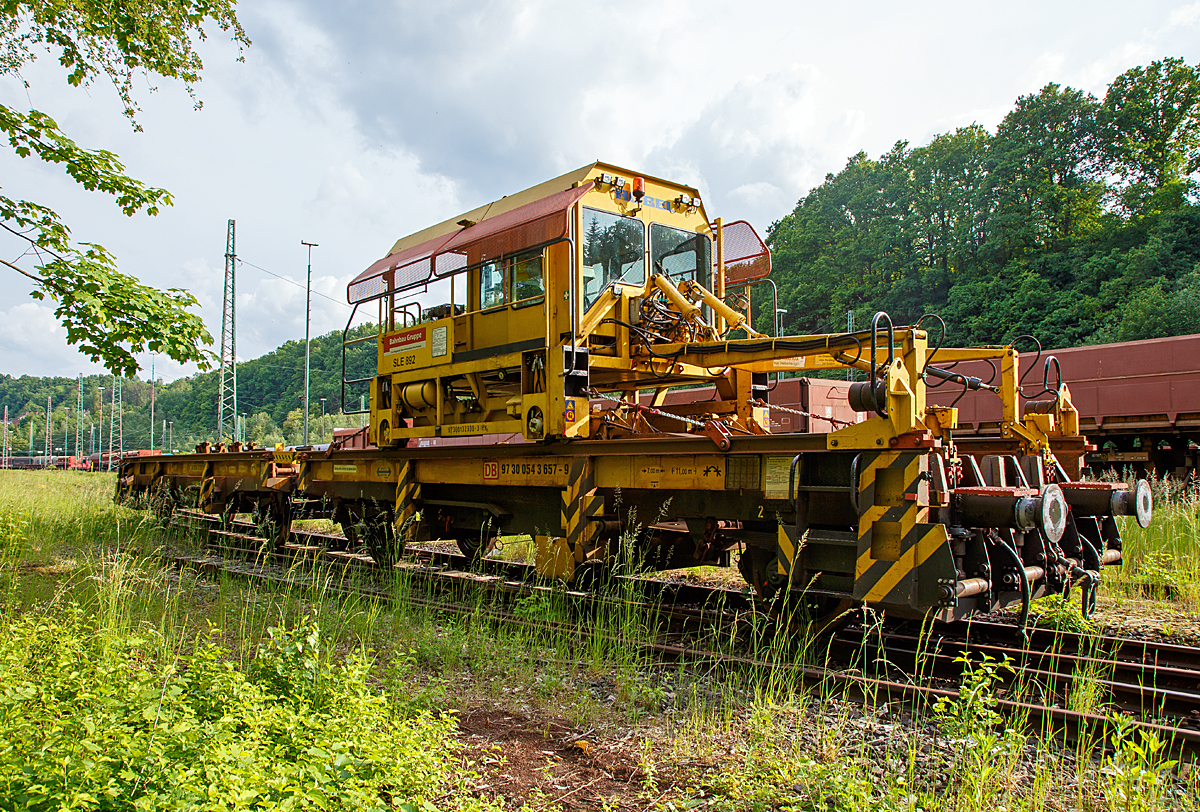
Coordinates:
[1077,222]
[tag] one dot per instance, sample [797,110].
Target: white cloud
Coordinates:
[1046,68]
[1185,16]
[32,341]
[354,124]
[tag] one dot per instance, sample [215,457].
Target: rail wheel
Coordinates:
[476,547]
[228,515]
[827,614]
[758,566]
[162,502]
[595,573]
[819,613]
[125,493]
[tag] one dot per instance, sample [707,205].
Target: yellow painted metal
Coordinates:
[1033,430]
[553,557]
[453,358]
[680,472]
[941,420]
[726,313]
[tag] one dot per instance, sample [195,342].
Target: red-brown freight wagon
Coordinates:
[1138,401]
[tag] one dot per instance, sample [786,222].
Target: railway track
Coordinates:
[1155,683]
[1141,678]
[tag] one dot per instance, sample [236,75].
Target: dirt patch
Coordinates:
[61,566]
[546,762]
[1140,618]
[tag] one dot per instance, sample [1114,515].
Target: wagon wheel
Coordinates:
[162,502]
[125,493]
[826,614]
[594,573]
[476,547]
[758,567]
[820,614]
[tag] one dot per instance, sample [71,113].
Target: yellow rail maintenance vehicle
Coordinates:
[558,320]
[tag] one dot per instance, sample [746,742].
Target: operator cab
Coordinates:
[502,319]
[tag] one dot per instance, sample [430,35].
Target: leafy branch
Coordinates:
[109,315]
[35,133]
[94,37]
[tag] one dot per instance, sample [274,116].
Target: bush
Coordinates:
[90,721]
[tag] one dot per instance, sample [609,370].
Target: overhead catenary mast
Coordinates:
[307,320]
[112,422]
[48,442]
[227,393]
[78,418]
[120,418]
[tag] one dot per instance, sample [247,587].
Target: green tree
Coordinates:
[109,315]
[1000,234]
[1047,156]
[1152,118]
[293,427]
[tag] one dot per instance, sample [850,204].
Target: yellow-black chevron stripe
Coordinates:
[580,503]
[408,492]
[207,486]
[891,581]
[894,526]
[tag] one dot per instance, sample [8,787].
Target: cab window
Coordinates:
[614,249]
[679,254]
[517,280]
[527,281]
[493,292]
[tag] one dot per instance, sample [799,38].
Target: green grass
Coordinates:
[1163,560]
[125,683]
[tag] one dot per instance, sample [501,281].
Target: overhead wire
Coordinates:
[291,281]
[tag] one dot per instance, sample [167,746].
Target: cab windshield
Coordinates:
[614,249]
[679,254]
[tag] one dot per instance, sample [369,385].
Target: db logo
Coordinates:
[491,469]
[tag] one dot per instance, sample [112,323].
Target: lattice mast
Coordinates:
[49,443]
[227,393]
[120,418]
[112,424]
[78,417]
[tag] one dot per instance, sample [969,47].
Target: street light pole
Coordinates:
[322,419]
[307,319]
[152,402]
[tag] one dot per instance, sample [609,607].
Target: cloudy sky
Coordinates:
[352,124]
